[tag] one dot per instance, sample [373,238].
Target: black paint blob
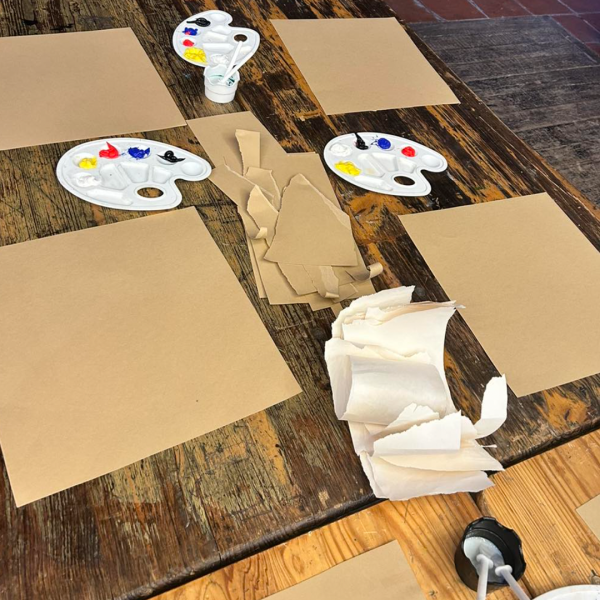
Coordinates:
[360,143]
[169,156]
[200,21]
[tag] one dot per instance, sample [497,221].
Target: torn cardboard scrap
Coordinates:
[301,245]
[386,365]
[310,230]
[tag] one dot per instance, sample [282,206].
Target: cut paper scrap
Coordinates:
[260,286]
[325,281]
[467,458]
[380,574]
[417,328]
[493,407]
[310,230]
[298,278]
[385,363]
[401,483]
[590,513]
[382,389]
[530,280]
[121,341]
[262,213]
[265,180]
[434,437]
[74,86]
[238,189]
[249,143]
[362,81]
[413,414]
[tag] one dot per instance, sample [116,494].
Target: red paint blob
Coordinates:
[111,152]
[408,151]
[187,43]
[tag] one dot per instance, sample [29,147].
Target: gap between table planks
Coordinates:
[256,483]
[539,498]
[428,530]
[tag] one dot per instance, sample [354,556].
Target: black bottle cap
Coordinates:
[504,539]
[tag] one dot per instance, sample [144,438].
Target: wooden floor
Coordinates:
[422,528]
[538,498]
[540,81]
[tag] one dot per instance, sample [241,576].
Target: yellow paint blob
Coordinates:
[88,163]
[195,54]
[348,167]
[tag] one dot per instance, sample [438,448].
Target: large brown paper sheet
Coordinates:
[530,282]
[122,341]
[355,65]
[590,513]
[71,86]
[380,574]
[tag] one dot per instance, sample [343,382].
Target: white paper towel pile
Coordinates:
[386,364]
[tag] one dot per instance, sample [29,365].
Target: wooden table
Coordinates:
[258,482]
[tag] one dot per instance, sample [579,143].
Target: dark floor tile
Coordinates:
[546,7]
[538,79]
[501,8]
[593,19]
[454,10]
[411,12]
[583,6]
[579,28]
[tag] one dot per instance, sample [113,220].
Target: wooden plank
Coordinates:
[538,498]
[483,27]
[553,87]
[548,88]
[545,116]
[258,482]
[421,527]
[477,50]
[563,134]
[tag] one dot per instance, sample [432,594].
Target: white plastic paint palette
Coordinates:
[112,172]
[383,163]
[207,39]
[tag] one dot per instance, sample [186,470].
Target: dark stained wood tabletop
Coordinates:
[189,510]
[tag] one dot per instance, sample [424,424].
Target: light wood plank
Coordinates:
[538,498]
[427,529]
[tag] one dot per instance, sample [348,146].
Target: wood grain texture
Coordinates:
[427,529]
[538,498]
[541,81]
[204,504]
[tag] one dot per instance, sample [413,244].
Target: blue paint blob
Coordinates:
[384,144]
[138,153]
[190,31]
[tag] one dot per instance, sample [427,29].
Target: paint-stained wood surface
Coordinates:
[427,529]
[541,81]
[258,482]
[539,498]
